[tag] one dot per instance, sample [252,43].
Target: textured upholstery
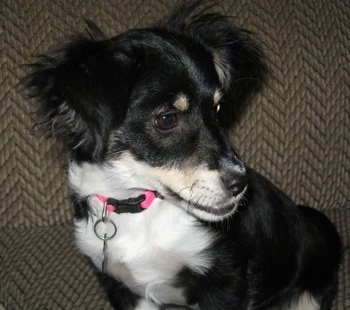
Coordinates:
[296,132]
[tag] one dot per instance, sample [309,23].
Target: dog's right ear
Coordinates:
[237,57]
[82,89]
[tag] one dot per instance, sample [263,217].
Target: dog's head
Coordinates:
[154,104]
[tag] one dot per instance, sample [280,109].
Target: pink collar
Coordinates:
[131,205]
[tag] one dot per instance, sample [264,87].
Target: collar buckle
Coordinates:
[130,205]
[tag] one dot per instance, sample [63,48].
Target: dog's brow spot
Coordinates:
[181,103]
[217,96]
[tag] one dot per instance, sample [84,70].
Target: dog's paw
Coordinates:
[174,307]
[146,305]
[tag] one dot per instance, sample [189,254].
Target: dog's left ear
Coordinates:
[238,58]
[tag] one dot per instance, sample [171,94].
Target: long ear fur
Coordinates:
[237,57]
[82,89]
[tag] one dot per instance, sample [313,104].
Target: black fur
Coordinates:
[271,250]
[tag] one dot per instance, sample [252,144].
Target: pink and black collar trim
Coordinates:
[130,205]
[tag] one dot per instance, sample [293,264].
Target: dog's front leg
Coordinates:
[144,304]
[173,307]
[147,305]
[121,297]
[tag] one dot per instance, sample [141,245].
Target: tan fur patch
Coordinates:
[181,103]
[217,96]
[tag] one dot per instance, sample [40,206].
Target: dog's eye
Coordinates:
[166,121]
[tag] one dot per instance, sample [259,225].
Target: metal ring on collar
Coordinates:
[105,236]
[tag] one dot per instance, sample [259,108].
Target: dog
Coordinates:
[165,209]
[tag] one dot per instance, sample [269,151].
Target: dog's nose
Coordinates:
[235,182]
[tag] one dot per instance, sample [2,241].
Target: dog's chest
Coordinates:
[149,248]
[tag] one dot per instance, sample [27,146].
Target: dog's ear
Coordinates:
[82,88]
[237,57]
[238,62]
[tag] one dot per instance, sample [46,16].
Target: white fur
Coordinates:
[146,305]
[151,247]
[305,302]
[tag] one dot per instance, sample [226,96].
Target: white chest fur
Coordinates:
[150,247]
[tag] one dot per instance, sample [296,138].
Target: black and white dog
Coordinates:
[164,207]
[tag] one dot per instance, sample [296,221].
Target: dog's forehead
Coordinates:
[175,71]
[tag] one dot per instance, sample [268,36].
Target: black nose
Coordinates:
[235,182]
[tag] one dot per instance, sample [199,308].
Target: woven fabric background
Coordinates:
[296,132]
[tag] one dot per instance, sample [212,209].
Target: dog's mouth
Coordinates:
[219,210]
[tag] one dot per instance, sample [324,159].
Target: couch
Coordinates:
[296,132]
